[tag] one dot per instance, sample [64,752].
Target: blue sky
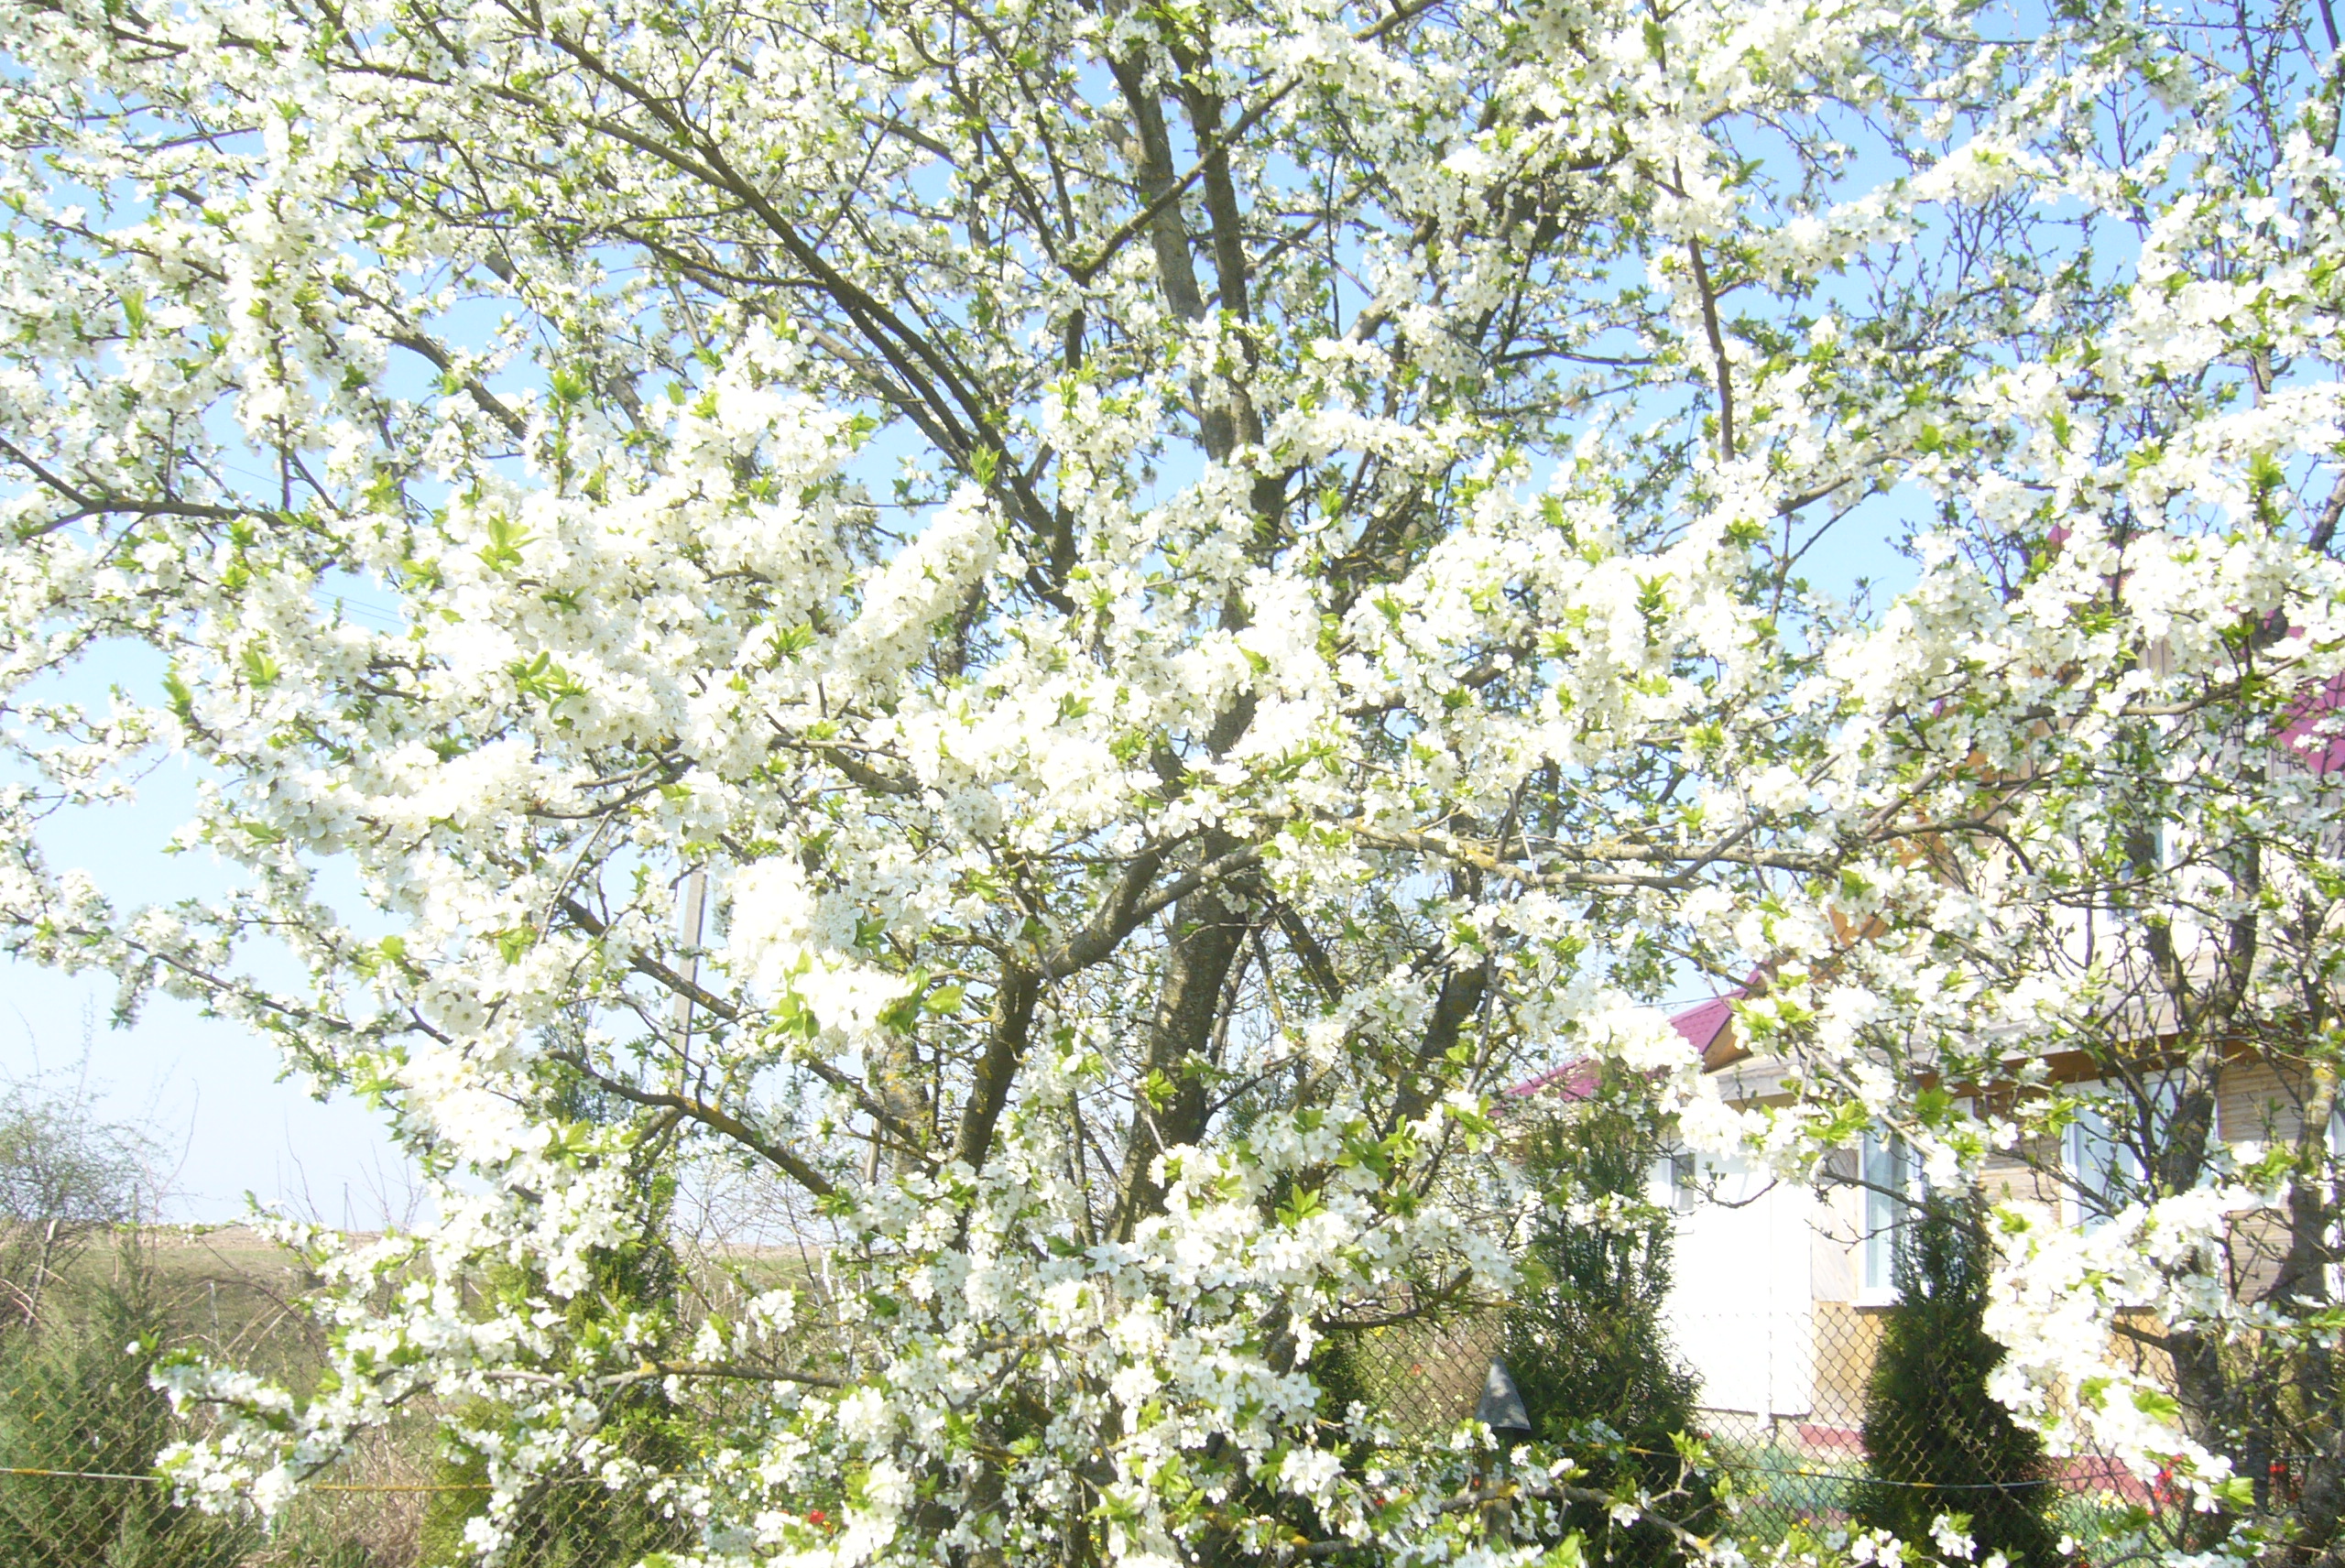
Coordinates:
[207,1090]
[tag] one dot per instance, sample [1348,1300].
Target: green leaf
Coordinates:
[505,538]
[181,696]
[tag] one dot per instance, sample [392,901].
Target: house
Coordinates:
[1779,1289]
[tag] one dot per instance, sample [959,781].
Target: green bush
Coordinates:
[1584,1337]
[572,1521]
[74,1396]
[567,1524]
[1937,1441]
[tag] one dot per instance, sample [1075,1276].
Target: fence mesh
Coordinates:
[1797,1465]
[80,1428]
[83,1317]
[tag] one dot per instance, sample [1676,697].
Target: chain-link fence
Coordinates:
[1800,1464]
[80,1428]
[83,1317]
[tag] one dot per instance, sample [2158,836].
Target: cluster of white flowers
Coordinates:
[1075,636]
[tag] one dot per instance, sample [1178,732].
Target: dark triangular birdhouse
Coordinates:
[1501,1406]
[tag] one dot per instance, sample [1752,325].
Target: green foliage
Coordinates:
[572,1522]
[1585,1340]
[1937,1441]
[1341,1379]
[74,1396]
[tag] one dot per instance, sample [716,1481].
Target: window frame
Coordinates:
[2333,1275]
[1889,1178]
[2088,1138]
[1676,1179]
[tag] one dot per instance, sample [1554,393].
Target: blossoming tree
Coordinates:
[1068,632]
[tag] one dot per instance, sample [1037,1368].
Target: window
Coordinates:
[2104,1172]
[2098,1169]
[2335,1272]
[1677,1180]
[1890,1176]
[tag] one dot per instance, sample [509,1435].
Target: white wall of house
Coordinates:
[1761,1268]
[1740,1309]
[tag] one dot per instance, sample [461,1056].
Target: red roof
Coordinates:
[1573,1081]
[1701,1025]
[2314,733]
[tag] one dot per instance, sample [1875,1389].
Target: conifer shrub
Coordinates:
[1936,1440]
[74,1398]
[1584,1336]
[1337,1372]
